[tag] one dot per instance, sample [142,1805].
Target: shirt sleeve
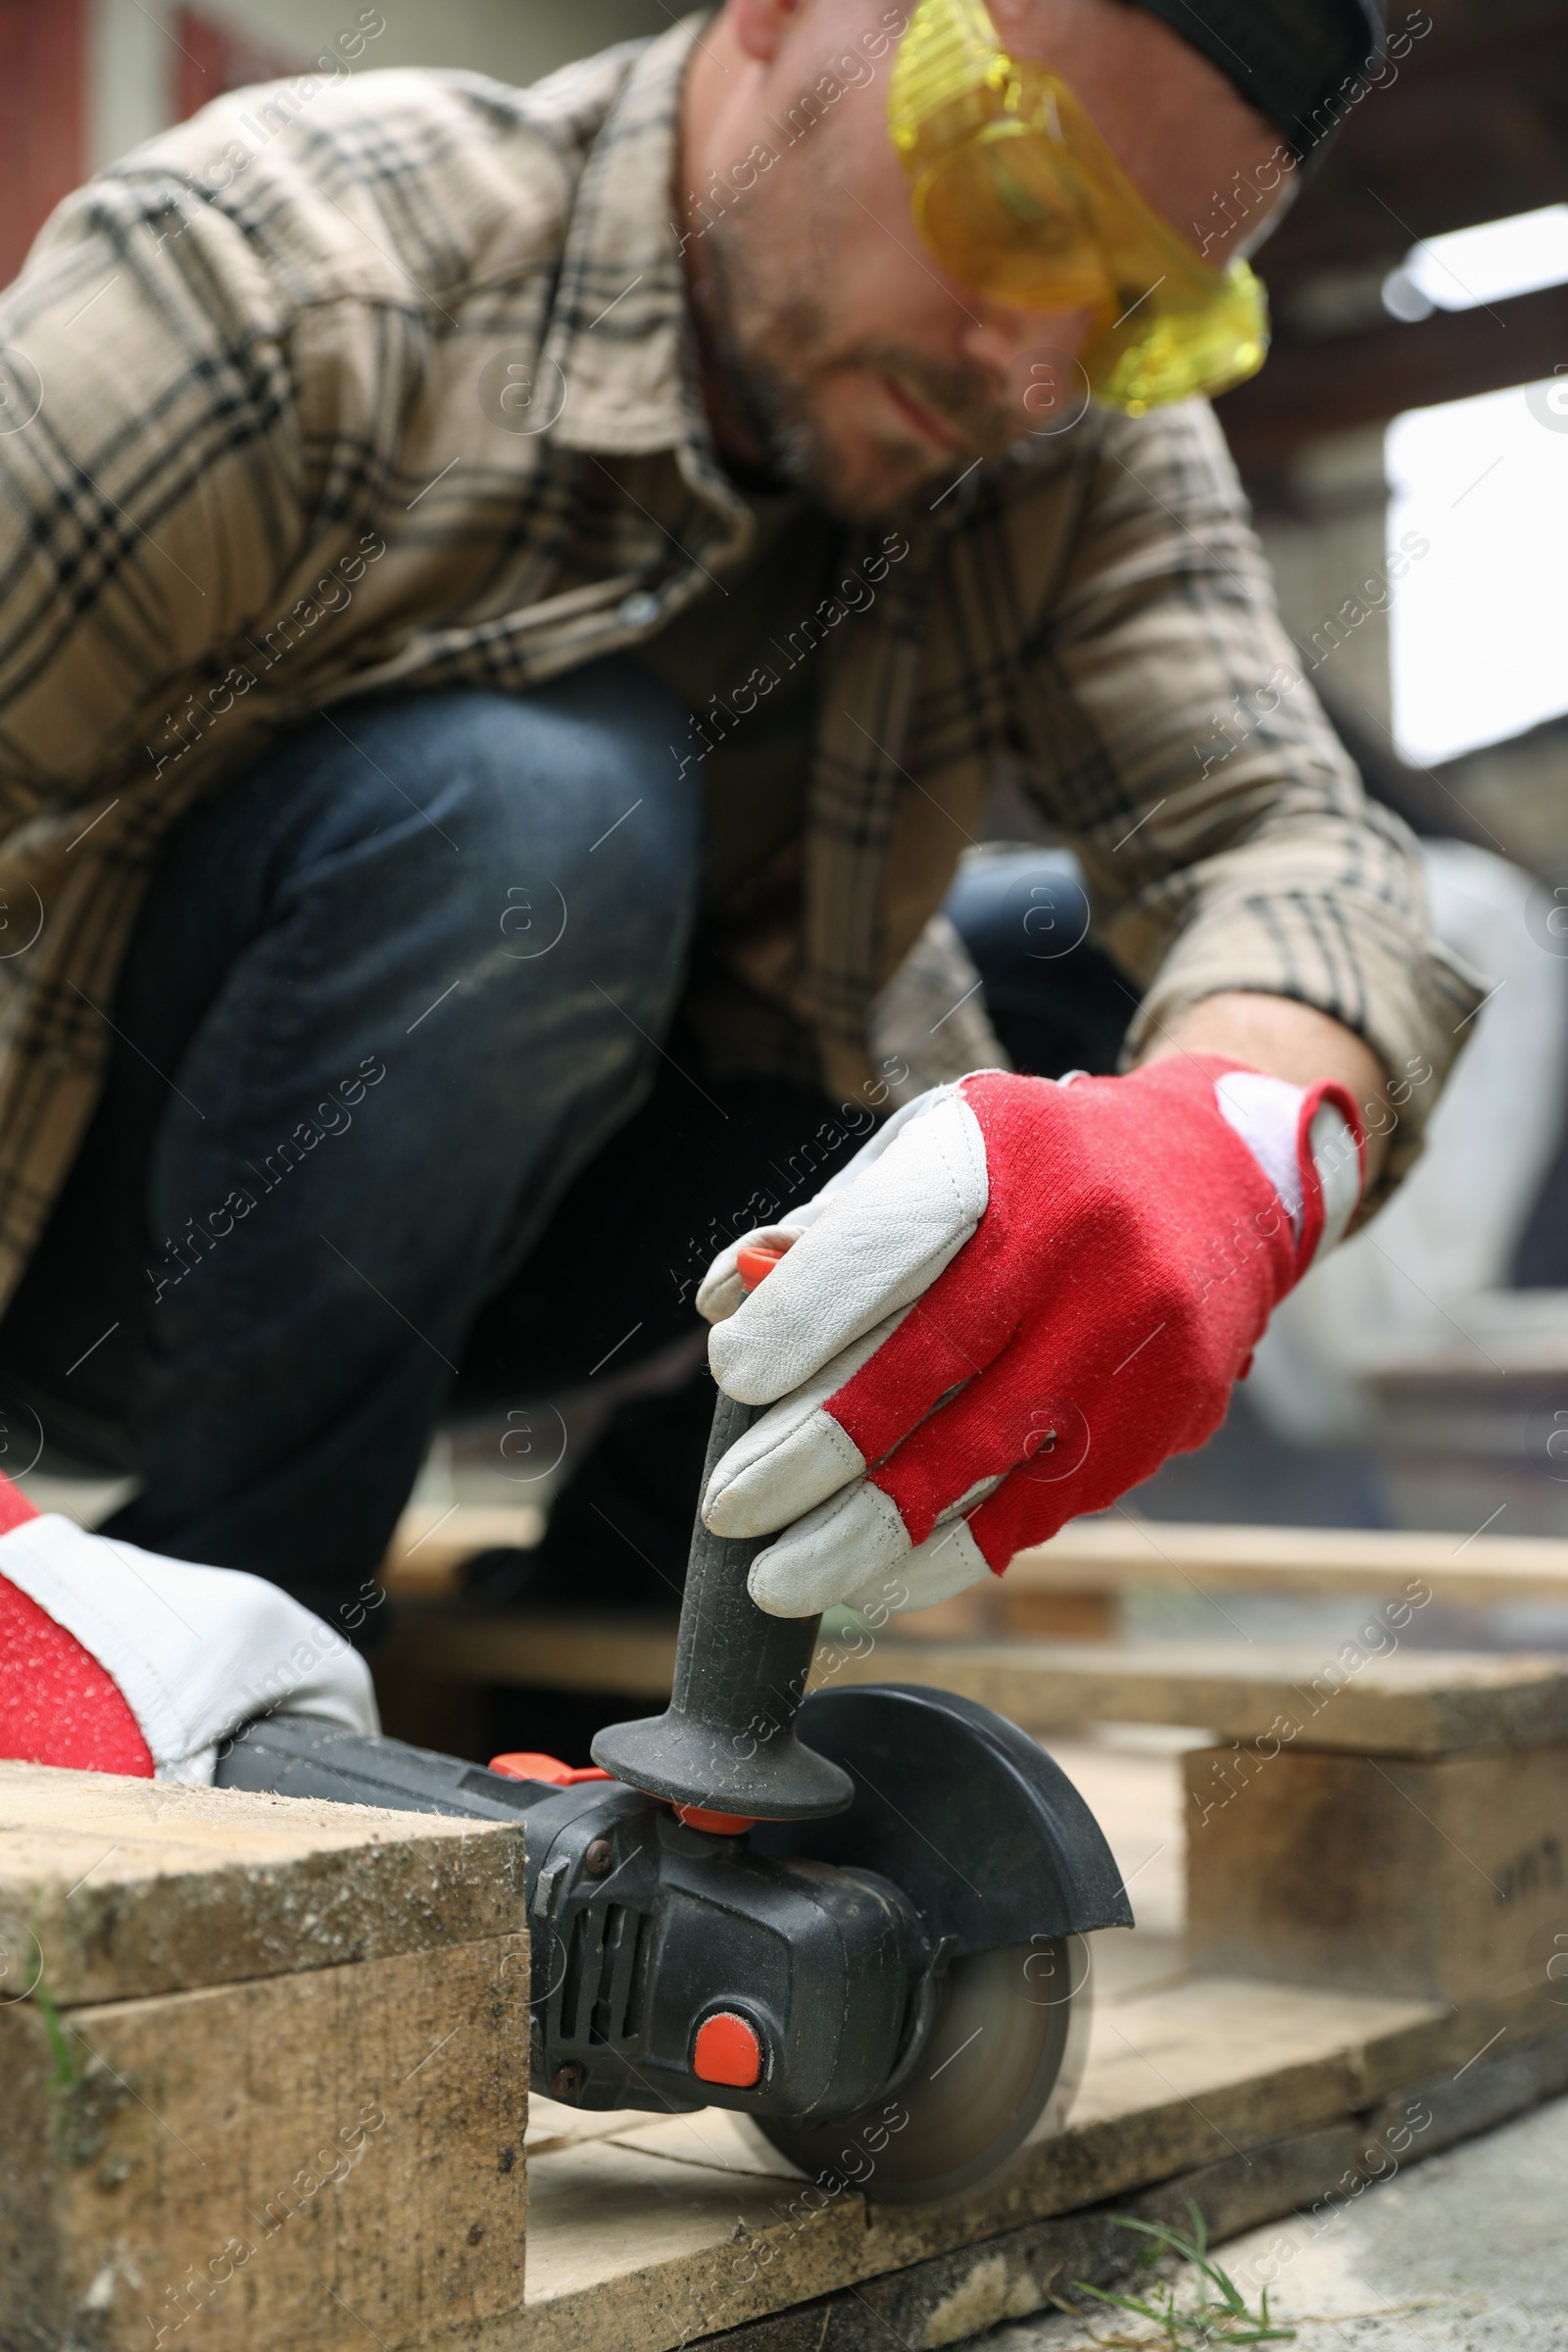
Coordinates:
[152,480]
[1172,731]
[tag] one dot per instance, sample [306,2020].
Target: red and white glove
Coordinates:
[113,1660]
[1013,1303]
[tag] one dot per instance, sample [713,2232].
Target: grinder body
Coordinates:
[643,1929]
[850,1917]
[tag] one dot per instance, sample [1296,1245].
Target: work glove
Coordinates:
[113,1660]
[1012,1305]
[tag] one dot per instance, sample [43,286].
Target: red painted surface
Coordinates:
[42,118]
[214,58]
[727,2051]
[530,1764]
[717,1825]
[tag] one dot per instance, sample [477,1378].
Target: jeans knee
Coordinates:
[504,824]
[569,812]
[1020,913]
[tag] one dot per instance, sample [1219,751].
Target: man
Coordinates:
[508,592]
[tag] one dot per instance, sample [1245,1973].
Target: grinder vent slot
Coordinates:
[631,2018]
[621,1930]
[572,1981]
[600,1984]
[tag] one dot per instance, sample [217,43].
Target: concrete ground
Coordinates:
[1467,2252]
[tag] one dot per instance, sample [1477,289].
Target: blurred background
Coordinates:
[1416,403]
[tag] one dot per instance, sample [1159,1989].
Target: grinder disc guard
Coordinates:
[1000,2069]
[1006,1865]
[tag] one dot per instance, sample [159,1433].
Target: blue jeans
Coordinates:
[399,1111]
[389,993]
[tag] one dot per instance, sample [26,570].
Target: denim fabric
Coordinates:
[1054,998]
[390,992]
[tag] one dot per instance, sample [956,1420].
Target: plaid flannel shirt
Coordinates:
[386,383]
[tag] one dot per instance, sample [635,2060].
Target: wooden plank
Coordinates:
[257,2166]
[1119,1553]
[1436,1877]
[653,2233]
[1408,1703]
[1309,389]
[934,2302]
[266,2066]
[1055,1612]
[1123,1553]
[431,1543]
[126,1887]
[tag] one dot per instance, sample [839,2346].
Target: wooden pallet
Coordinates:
[1072,1589]
[1410,1702]
[1113,1554]
[219,1990]
[1254,2099]
[266,2070]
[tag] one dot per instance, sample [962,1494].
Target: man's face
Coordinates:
[837,349]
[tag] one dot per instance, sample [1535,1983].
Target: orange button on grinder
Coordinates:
[729,2050]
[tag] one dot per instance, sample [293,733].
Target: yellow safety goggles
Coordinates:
[1019,197]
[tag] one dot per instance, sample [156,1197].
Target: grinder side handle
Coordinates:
[728,1743]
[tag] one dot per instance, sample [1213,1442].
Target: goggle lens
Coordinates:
[1019,198]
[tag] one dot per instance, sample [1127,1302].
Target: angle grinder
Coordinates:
[853,1918]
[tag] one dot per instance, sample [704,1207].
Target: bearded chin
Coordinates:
[777,412]
[777,358]
[768,378]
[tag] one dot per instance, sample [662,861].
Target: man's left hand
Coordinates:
[1015,1303]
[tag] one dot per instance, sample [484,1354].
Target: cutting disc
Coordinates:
[999,2067]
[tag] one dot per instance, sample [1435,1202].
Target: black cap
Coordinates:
[1298,61]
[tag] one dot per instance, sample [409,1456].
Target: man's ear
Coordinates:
[760,25]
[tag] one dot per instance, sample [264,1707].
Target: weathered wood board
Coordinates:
[1422,1703]
[1439,1876]
[123,1887]
[645,2235]
[945,2296]
[266,2069]
[1117,1552]
[1122,1551]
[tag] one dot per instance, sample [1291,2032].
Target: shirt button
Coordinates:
[635,612]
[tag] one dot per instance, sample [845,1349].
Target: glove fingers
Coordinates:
[722,1291]
[958,1453]
[843,1546]
[876,1246]
[856,1548]
[792,1458]
[948,1561]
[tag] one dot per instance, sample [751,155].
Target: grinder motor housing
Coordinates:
[726,1913]
[828,1939]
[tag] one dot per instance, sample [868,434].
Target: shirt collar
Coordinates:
[619,330]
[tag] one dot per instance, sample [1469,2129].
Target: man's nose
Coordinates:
[1026,355]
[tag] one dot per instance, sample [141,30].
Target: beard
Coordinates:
[776,361]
